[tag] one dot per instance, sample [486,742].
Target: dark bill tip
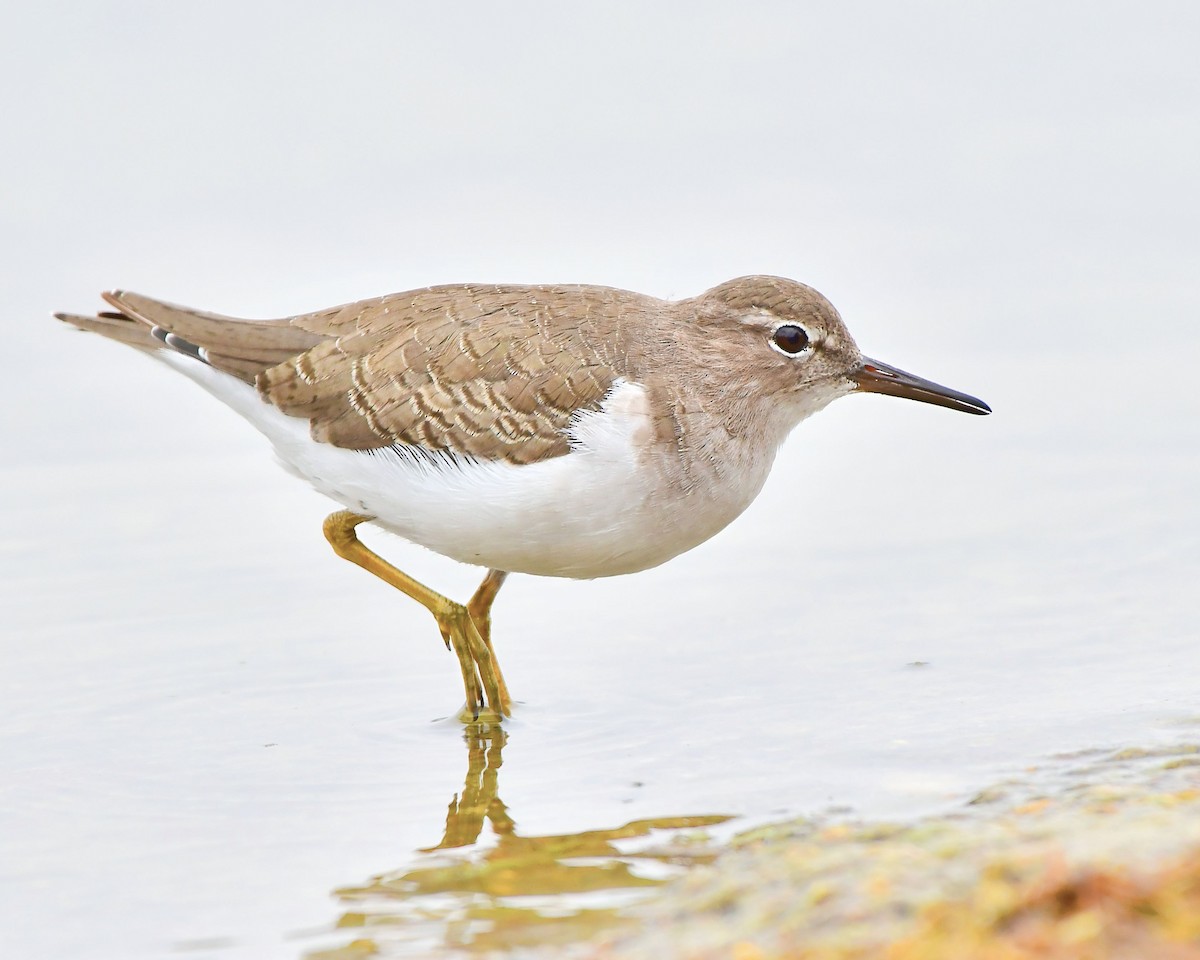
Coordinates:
[876,377]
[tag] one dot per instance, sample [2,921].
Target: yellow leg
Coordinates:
[455,622]
[480,609]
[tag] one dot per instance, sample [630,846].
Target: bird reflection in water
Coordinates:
[519,890]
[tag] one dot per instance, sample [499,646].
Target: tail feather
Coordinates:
[256,339]
[115,326]
[241,348]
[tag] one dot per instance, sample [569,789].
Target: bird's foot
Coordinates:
[485,689]
[481,617]
[479,718]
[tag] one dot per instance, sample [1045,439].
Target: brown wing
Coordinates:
[491,372]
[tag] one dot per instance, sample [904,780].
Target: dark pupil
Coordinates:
[791,339]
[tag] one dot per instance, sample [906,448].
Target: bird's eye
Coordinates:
[790,339]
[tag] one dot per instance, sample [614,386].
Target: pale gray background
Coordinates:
[1001,196]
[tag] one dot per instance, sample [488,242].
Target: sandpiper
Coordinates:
[565,431]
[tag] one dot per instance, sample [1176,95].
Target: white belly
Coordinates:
[600,510]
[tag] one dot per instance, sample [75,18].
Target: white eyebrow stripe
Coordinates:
[762,318]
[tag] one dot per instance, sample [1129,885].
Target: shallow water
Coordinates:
[218,735]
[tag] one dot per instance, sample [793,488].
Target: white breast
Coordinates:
[603,509]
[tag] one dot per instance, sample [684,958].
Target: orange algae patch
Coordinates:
[1040,912]
[1107,867]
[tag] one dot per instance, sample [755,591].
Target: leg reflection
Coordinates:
[467,893]
[480,798]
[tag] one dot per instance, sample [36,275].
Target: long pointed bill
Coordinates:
[876,377]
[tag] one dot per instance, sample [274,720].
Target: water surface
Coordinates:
[213,724]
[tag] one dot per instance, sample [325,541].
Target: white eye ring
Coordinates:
[791,339]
